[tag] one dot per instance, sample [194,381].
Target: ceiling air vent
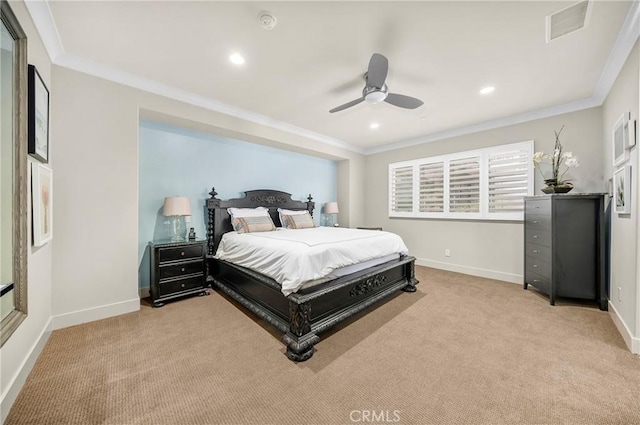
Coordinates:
[567,20]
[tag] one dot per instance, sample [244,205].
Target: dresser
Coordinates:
[177,269]
[564,238]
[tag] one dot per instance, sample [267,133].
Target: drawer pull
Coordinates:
[182,253]
[536,250]
[535,266]
[536,280]
[182,285]
[535,221]
[182,269]
[535,236]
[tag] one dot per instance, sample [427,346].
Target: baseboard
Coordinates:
[474,271]
[632,343]
[144,292]
[16,384]
[97,313]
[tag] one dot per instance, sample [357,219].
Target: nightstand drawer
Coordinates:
[174,287]
[181,269]
[541,282]
[181,252]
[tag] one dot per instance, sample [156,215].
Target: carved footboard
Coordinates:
[305,315]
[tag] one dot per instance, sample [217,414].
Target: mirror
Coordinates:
[13,174]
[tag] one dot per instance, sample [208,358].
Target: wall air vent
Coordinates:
[567,20]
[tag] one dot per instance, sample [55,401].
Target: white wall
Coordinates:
[624,97]
[484,248]
[22,348]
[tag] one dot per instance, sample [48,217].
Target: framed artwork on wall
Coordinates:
[38,121]
[620,143]
[42,203]
[622,190]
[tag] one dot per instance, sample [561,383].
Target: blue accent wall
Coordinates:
[175,161]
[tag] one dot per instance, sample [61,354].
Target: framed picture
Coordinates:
[619,136]
[38,123]
[622,190]
[42,203]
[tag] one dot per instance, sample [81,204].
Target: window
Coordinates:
[487,184]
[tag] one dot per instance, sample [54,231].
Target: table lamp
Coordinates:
[331,208]
[177,207]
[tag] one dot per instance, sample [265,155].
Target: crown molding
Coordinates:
[489,125]
[135,81]
[621,48]
[45,25]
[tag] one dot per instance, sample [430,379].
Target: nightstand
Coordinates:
[177,269]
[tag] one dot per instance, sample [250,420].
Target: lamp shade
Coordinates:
[331,208]
[176,205]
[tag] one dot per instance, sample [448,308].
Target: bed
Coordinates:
[305,314]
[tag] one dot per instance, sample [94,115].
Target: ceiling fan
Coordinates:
[375,90]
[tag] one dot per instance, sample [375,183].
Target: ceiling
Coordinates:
[313,60]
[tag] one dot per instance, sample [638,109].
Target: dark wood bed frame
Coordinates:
[301,316]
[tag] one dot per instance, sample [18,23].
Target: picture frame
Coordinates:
[622,190]
[41,203]
[38,116]
[619,136]
[632,137]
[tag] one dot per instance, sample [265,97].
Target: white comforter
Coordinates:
[293,257]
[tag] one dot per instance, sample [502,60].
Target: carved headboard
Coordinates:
[219,221]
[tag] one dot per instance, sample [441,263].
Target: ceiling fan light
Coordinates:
[375,97]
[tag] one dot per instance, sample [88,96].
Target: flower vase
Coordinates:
[552,186]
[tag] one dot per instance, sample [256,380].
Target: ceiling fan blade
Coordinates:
[378,68]
[403,101]
[347,105]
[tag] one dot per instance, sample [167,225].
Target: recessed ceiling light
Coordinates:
[236,59]
[374,125]
[487,90]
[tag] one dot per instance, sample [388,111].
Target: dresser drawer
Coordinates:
[174,287]
[538,266]
[538,221]
[181,269]
[180,253]
[537,206]
[541,282]
[538,236]
[539,252]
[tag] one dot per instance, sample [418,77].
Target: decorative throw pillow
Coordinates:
[298,221]
[252,224]
[282,212]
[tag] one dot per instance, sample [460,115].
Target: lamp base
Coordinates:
[179,228]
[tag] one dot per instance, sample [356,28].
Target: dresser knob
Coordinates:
[535,266]
[536,280]
[182,253]
[182,285]
[536,250]
[535,236]
[535,221]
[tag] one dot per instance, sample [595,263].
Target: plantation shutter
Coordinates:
[508,180]
[464,185]
[431,187]
[401,190]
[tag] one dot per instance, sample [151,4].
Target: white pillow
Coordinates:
[282,211]
[248,212]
